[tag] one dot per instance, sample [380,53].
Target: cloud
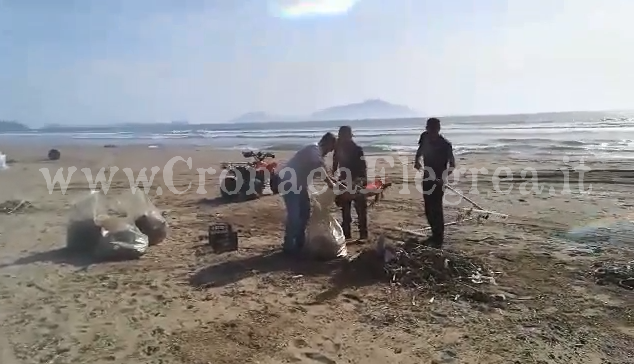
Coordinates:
[303,8]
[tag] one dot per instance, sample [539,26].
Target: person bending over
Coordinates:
[294,180]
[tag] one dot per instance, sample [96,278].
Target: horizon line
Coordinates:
[185,122]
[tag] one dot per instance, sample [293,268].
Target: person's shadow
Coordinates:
[62,256]
[365,270]
[225,273]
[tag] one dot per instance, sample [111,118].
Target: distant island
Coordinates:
[367,114]
[256,117]
[369,109]
[13,127]
[372,111]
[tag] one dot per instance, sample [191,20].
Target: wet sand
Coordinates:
[180,303]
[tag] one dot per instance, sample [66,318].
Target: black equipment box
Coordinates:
[222,238]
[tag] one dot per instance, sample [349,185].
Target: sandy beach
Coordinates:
[180,303]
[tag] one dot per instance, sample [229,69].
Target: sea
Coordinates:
[586,134]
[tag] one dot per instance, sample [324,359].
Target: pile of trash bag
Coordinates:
[325,235]
[114,227]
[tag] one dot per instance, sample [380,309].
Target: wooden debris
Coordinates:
[12,206]
[620,274]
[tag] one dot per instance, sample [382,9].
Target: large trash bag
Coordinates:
[83,232]
[325,235]
[120,240]
[147,218]
[100,226]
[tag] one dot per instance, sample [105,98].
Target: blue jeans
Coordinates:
[297,215]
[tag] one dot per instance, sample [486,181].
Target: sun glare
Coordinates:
[302,8]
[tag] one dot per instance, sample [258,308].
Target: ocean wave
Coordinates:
[593,138]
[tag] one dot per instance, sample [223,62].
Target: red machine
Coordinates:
[237,183]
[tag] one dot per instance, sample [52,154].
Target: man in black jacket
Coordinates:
[348,156]
[437,154]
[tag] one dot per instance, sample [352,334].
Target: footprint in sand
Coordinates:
[299,346]
[300,343]
[319,358]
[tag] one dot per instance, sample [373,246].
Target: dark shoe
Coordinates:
[290,251]
[433,242]
[436,244]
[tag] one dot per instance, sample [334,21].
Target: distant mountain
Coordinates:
[369,109]
[12,127]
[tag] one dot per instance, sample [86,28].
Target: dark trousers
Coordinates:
[361,207]
[433,196]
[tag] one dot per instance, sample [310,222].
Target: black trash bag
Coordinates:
[54,154]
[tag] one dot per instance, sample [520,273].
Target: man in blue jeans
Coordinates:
[295,177]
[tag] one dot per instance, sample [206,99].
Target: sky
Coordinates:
[98,62]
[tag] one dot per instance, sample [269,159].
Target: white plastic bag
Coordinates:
[147,217]
[120,240]
[325,235]
[3,161]
[82,232]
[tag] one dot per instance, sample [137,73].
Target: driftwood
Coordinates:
[14,206]
[11,206]
[425,270]
[418,232]
[620,274]
[485,213]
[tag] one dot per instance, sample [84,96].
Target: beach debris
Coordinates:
[416,265]
[422,270]
[95,231]
[325,235]
[420,232]
[147,218]
[222,238]
[109,146]
[54,154]
[15,206]
[620,274]
[411,265]
[3,161]
[120,240]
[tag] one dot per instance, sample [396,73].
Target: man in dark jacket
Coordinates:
[349,158]
[437,154]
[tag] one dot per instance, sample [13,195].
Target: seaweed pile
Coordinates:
[414,265]
[620,274]
[13,206]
